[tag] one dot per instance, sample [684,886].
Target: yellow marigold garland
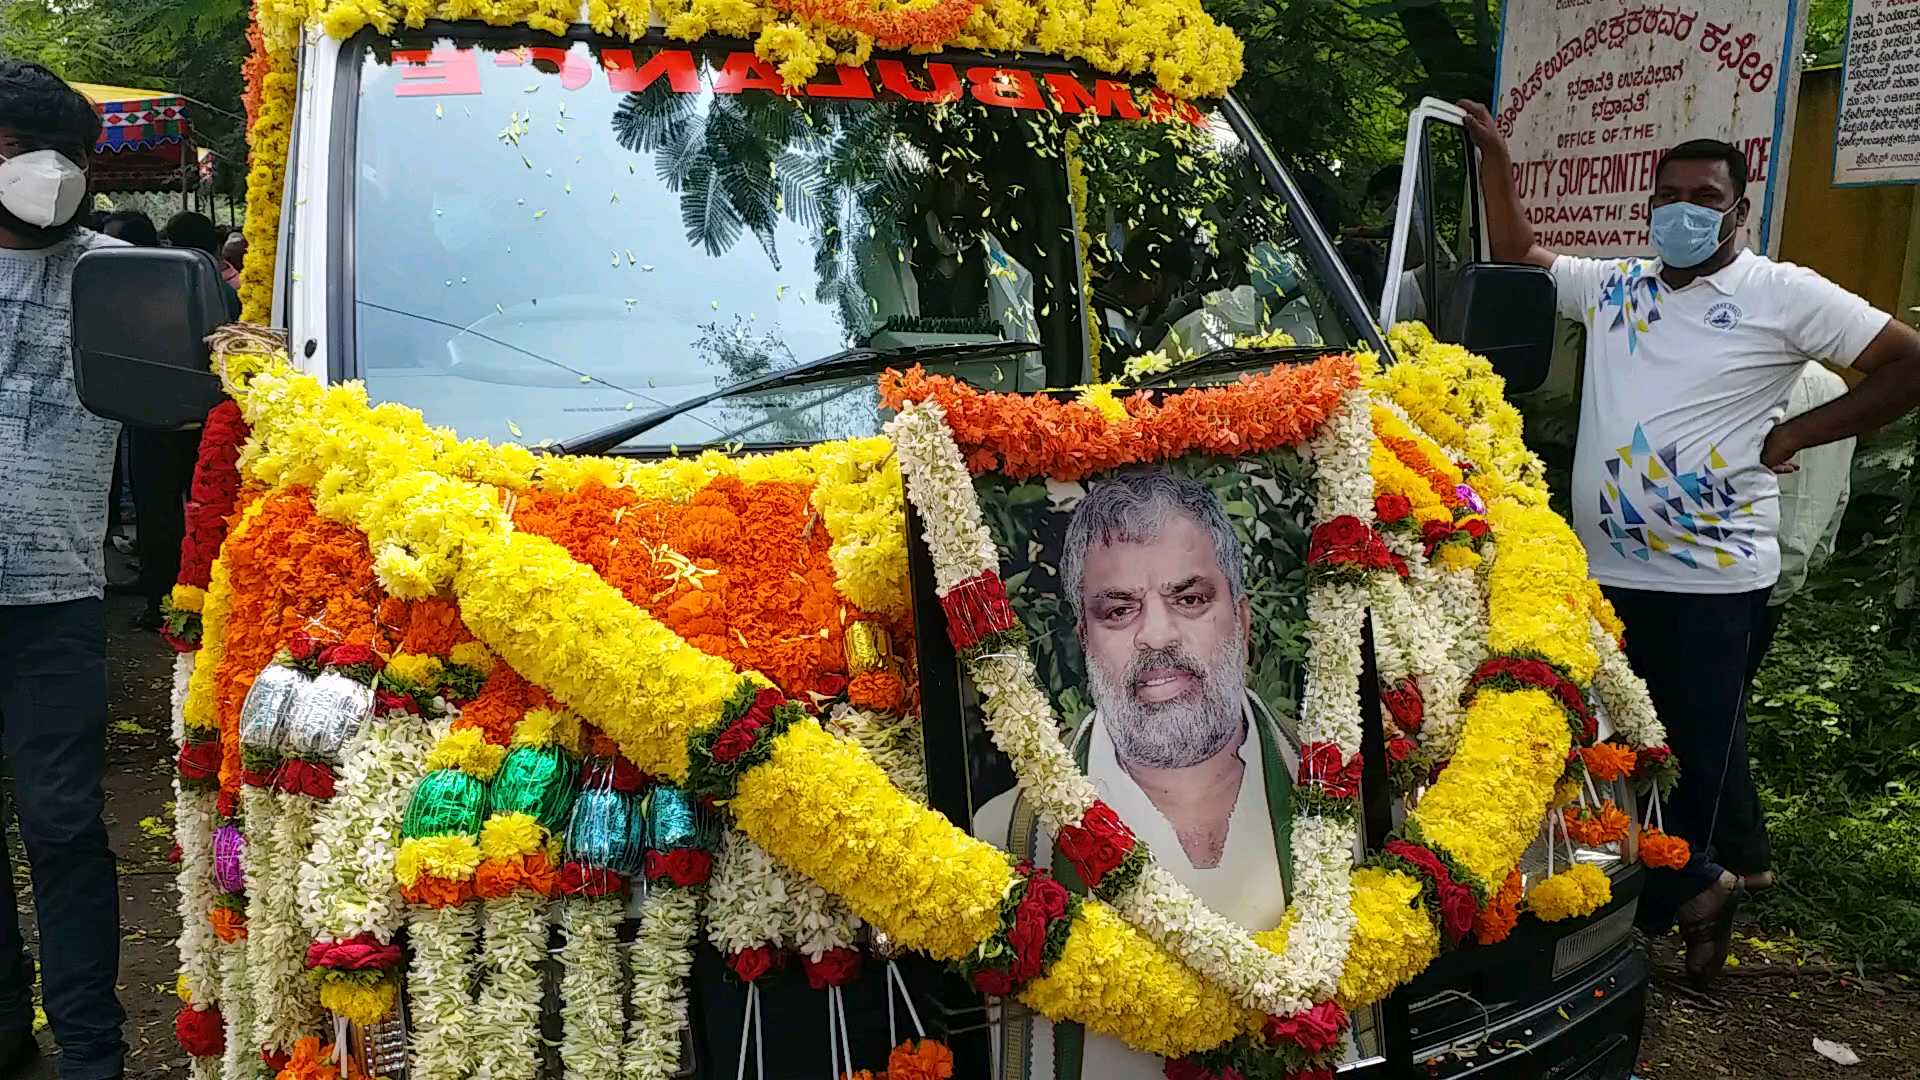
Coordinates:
[268,142]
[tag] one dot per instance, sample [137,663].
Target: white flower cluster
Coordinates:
[1021,720]
[193,814]
[941,489]
[747,903]
[438,983]
[591,1015]
[287,1003]
[346,881]
[241,1061]
[506,1026]
[821,921]
[1623,694]
[893,742]
[658,964]
[177,697]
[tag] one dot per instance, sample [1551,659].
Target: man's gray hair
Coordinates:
[1131,508]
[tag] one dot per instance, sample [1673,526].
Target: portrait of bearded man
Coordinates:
[1196,765]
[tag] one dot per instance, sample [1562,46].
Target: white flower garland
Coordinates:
[658,963]
[346,883]
[748,904]
[1623,694]
[893,742]
[241,1060]
[177,696]
[193,817]
[440,1006]
[1021,721]
[287,1003]
[590,1007]
[506,1026]
[821,921]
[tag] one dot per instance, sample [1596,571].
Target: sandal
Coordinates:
[1709,939]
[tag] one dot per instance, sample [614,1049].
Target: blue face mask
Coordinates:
[1686,234]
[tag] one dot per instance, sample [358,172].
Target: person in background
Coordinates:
[189,229]
[234,253]
[133,226]
[1691,359]
[56,457]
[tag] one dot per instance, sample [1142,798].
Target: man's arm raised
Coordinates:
[1508,231]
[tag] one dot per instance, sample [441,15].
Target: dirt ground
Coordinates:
[1758,1023]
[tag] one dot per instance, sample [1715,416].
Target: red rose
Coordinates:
[616,773]
[1098,844]
[255,778]
[1655,755]
[685,867]
[199,761]
[174,855]
[1345,531]
[1048,895]
[750,964]
[200,1032]
[1321,764]
[275,1059]
[1405,704]
[1186,1069]
[1399,565]
[1457,911]
[1028,938]
[1425,861]
[1476,527]
[301,646]
[223,803]
[346,654]
[1434,532]
[579,879]
[1314,1030]
[389,702]
[309,778]
[1400,749]
[830,684]
[836,967]
[1392,508]
[736,740]
[994,982]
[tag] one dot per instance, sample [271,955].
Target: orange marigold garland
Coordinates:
[1663,852]
[1024,436]
[912,24]
[1502,912]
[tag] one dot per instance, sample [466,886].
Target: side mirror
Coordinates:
[1506,313]
[141,317]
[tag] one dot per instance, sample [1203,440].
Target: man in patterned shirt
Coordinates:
[57,461]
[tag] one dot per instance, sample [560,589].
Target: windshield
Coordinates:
[551,238]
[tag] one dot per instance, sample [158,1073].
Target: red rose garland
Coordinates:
[835,967]
[1034,920]
[216,487]
[752,963]
[979,613]
[1349,547]
[685,867]
[1103,851]
[200,1032]
[1522,673]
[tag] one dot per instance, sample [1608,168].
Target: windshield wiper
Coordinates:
[843,364]
[1234,357]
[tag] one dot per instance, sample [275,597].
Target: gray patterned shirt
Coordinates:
[56,458]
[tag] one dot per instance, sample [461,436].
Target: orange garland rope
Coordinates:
[1024,436]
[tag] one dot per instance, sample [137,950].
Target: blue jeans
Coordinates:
[53,731]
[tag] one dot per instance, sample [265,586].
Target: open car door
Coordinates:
[1439,267]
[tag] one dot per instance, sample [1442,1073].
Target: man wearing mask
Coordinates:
[1691,357]
[57,459]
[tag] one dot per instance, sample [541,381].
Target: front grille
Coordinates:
[1576,949]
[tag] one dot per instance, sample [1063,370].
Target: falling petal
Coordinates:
[513,427]
[538,214]
[629,406]
[646,268]
[566,189]
[438,112]
[586,378]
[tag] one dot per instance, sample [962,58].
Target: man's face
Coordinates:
[14,143]
[1703,183]
[1166,645]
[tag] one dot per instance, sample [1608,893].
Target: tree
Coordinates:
[190,47]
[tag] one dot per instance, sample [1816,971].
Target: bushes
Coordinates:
[1835,739]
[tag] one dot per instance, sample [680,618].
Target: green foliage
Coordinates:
[1826,31]
[1835,740]
[190,47]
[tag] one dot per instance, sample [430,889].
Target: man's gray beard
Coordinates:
[1185,731]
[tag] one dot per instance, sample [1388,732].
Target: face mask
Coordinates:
[42,187]
[1686,234]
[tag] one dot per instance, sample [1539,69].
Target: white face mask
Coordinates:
[42,187]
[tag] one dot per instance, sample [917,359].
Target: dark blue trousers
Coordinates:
[53,731]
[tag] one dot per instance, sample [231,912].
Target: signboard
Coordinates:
[1589,93]
[1876,139]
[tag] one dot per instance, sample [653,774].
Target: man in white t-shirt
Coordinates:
[1690,360]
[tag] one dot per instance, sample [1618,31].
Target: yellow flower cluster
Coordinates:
[1112,979]
[419,669]
[1537,590]
[1100,398]
[474,655]
[187,597]
[269,139]
[1597,603]
[1581,890]
[469,751]
[509,836]
[1188,54]
[1393,939]
[1455,397]
[821,806]
[1485,808]
[361,1003]
[449,858]
[549,727]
